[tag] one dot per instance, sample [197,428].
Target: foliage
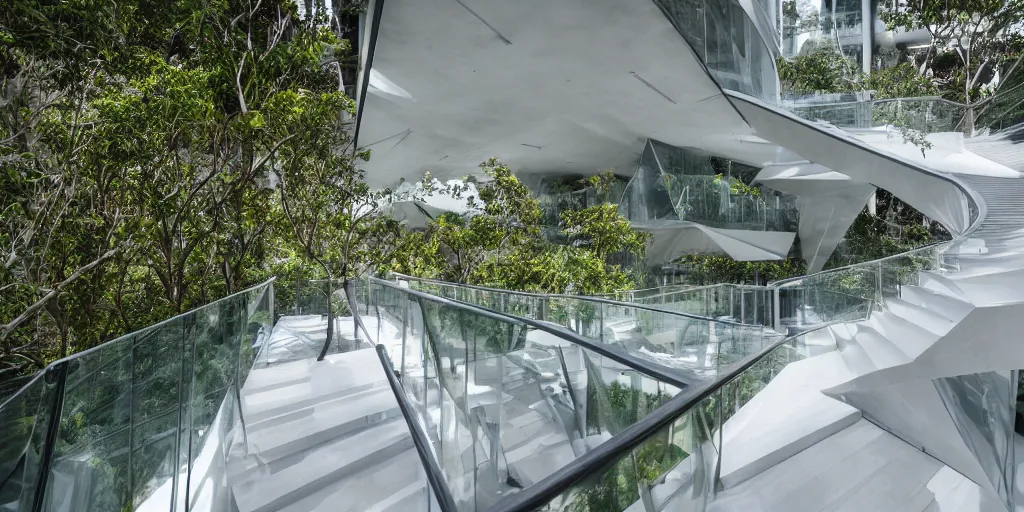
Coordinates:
[712,269]
[828,71]
[823,70]
[603,231]
[139,144]
[899,81]
[895,228]
[500,243]
[155,156]
[616,486]
[737,187]
[970,39]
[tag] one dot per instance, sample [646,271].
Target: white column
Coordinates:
[867,24]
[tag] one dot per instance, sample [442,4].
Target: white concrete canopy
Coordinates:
[672,239]
[574,87]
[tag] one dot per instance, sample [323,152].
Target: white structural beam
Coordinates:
[828,202]
[933,193]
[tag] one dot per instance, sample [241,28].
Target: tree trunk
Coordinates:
[330,321]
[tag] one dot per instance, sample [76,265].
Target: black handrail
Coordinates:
[419,438]
[611,451]
[651,369]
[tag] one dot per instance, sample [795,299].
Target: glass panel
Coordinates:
[137,412]
[983,407]
[727,41]
[656,334]
[156,375]
[624,483]
[851,293]
[24,419]
[507,405]
[92,465]
[673,183]
[677,468]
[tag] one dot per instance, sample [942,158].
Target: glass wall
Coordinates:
[832,25]
[723,36]
[983,406]
[686,184]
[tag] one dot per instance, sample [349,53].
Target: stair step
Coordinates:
[279,390]
[411,498]
[948,306]
[879,349]
[323,423]
[852,353]
[380,487]
[326,464]
[993,289]
[534,461]
[302,407]
[941,285]
[926,318]
[910,338]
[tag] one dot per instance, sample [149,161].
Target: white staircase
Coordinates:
[324,436]
[801,444]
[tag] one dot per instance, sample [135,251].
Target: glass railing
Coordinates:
[925,114]
[506,403]
[692,345]
[143,421]
[438,495]
[745,304]
[714,201]
[672,458]
[852,293]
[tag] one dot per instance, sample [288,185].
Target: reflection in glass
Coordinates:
[982,406]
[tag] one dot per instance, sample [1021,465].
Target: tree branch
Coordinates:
[6,329]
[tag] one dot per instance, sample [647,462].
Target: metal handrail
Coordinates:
[607,453]
[783,283]
[650,368]
[419,438]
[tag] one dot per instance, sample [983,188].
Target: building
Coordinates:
[888,385]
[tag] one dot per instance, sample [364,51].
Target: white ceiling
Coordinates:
[545,85]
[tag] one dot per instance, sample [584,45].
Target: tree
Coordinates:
[502,242]
[824,70]
[970,39]
[138,148]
